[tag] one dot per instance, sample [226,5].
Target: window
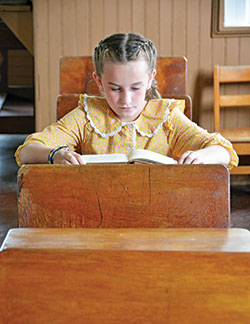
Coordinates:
[231,18]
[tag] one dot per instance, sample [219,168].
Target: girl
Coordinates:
[130,115]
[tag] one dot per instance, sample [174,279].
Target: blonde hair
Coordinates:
[123,48]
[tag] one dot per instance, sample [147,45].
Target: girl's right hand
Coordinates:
[68,157]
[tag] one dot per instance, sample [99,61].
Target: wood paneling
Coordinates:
[178,27]
[20,67]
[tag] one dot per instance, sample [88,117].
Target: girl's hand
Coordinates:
[68,157]
[192,157]
[214,154]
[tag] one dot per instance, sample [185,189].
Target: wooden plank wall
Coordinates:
[20,67]
[178,27]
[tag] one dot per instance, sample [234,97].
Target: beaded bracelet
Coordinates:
[52,152]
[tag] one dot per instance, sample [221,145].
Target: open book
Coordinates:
[136,156]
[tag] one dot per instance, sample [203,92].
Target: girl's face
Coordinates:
[125,87]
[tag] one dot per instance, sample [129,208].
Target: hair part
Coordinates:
[123,48]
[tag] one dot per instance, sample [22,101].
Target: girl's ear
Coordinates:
[151,78]
[98,81]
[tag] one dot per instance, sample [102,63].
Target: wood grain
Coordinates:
[240,137]
[76,75]
[125,276]
[179,28]
[131,196]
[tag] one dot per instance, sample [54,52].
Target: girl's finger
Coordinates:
[184,157]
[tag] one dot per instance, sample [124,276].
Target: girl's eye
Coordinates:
[115,89]
[136,88]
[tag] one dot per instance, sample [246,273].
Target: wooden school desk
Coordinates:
[121,195]
[112,276]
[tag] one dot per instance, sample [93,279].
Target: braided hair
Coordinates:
[123,48]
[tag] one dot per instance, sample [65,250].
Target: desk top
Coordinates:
[211,240]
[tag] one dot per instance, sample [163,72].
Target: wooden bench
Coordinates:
[125,196]
[127,276]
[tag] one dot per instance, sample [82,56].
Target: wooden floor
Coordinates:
[17,111]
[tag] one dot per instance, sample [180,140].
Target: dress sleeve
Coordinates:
[68,130]
[185,135]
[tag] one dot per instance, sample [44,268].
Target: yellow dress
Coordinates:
[93,128]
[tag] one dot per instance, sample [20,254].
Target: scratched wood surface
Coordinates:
[125,196]
[125,276]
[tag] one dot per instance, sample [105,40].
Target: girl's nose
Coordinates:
[125,98]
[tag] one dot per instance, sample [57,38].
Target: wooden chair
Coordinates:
[122,195]
[240,137]
[123,276]
[76,77]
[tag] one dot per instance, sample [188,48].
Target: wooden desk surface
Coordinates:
[218,240]
[125,276]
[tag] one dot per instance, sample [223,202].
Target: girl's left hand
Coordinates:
[214,154]
[193,157]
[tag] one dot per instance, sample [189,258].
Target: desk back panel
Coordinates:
[76,75]
[123,196]
[127,276]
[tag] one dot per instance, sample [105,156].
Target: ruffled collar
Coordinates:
[105,123]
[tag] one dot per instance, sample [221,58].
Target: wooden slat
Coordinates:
[138,17]
[244,116]
[125,276]
[96,22]
[82,24]
[244,169]
[204,88]
[55,47]
[235,100]
[231,59]
[6,8]
[179,43]
[110,196]
[152,14]
[238,136]
[123,16]
[110,10]
[165,28]
[42,64]
[235,73]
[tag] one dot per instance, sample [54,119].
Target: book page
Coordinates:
[146,156]
[105,158]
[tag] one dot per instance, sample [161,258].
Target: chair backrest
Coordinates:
[125,276]
[229,74]
[67,102]
[76,75]
[121,195]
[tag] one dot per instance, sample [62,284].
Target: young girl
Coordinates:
[130,115]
